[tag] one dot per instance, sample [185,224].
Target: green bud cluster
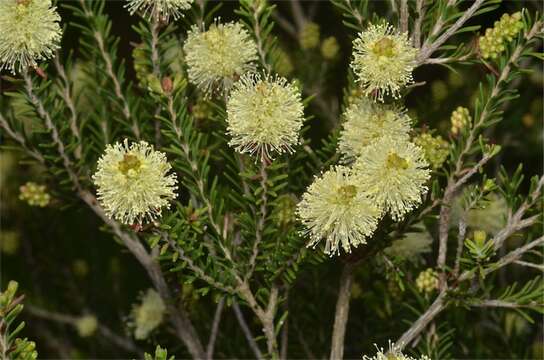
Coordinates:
[309,36]
[427,281]
[435,149]
[34,194]
[495,39]
[460,118]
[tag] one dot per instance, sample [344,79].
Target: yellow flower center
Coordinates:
[396,162]
[129,165]
[384,47]
[346,193]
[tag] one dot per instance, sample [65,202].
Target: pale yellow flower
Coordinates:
[217,57]
[86,325]
[29,32]
[336,209]
[148,315]
[383,60]
[394,353]
[264,115]
[161,9]
[133,182]
[366,122]
[393,173]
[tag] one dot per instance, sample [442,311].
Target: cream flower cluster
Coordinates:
[30,32]
[393,173]
[133,182]
[148,315]
[218,56]
[264,115]
[394,353]
[34,194]
[366,121]
[383,60]
[389,172]
[160,9]
[335,207]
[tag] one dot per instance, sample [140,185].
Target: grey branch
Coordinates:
[67,95]
[215,328]
[342,311]
[118,340]
[420,324]
[505,304]
[40,109]
[429,48]
[15,136]
[247,332]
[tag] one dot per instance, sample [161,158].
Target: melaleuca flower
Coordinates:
[133,182]
[393,173]
[309,36]
[460,119]
[29,32]
[86,325]
[147,315]
[335,208]
[366,122]
[264,115]
[436,149]
[427,281]
[330,48]
[217,57]
[34,194]
[394,353]
[160,9]
[383,60]
[497,38]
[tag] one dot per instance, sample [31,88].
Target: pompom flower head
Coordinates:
[29,32]
[148,315]
[217,57]
[394,353]
[159,9]
[133,182]
[383,60]
[86,325]
[336,209]
[264,115]
[366,122]
[393,173]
